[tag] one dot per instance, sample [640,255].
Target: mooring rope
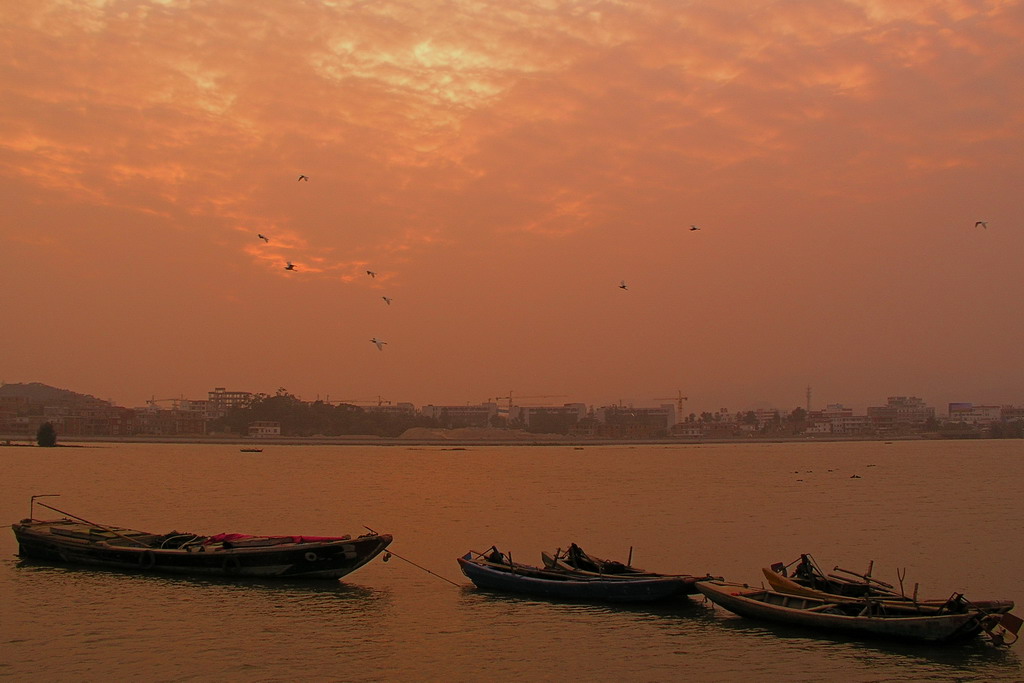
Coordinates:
[389,553]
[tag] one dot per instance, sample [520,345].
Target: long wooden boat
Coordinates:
[77,541]
[866,618]
[784,584]
[496,571]
[574,560]
[804,577]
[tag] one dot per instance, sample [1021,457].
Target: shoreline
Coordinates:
[453,441]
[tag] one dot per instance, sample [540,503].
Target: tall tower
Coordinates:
[808,398]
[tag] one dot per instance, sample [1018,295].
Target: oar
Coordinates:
[866,578]
[101,526]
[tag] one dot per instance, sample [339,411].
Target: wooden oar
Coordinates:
[865,577]
[101,526]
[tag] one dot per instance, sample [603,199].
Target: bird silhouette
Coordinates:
[290,266]
[983,224]
[304,177]
[694,227]
[379,342]
[386,300]
[263,237]
[371,273]
[622,285]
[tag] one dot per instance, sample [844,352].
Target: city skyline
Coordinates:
[679,403]
[504,198]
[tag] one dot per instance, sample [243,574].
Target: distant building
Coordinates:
[971,414]
[552,419]
[839,420]
[407,409]
[900,412]
[264,428]
[1011,414]
[626,422]
[220,401]
[480,415]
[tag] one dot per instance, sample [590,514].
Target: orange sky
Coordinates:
[502,167]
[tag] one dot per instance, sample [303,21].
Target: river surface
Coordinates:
[949,513]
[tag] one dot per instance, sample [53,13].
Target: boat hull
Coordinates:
[765,605]
[530,581]
[331,559]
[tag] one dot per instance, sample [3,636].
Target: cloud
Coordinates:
[544,116]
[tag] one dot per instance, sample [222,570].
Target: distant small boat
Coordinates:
[496,571]
[74,540]
[251,450]
[860,617]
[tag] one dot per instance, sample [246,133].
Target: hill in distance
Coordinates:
[37,392]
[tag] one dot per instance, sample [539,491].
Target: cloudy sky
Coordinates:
[502,167]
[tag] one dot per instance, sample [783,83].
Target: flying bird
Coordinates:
[263,237]
[290,266]
[304,177]
[983,224]
[387,300]
[694,227]
[371,273]
[379,342]
[622,285]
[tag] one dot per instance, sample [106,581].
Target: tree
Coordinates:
[47,435]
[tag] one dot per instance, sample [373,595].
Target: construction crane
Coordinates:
[678,398]
[175,402]
[355,401]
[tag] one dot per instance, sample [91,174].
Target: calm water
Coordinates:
[950,513]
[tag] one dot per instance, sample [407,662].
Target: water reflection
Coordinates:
[968,658]
[126,581]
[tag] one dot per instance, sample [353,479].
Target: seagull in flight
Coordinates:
[622,285]
[263,237]
[387,300]
[983,224]
[371,273]
[379,342]
[304,177]
[290,266]
[693,227]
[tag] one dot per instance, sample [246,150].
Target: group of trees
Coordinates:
[302,418]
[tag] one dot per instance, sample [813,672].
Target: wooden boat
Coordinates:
[787,585]
[251,450]
[868,618]
[74,540]
[809,580]
[496,571]
[805,572]
[575,561]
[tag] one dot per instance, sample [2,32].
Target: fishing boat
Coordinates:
[805,572]
[495,570]
[74,540]
[574,560]
[808,579]
[251,450]
[865,617]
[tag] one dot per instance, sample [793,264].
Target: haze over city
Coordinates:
[471,182]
